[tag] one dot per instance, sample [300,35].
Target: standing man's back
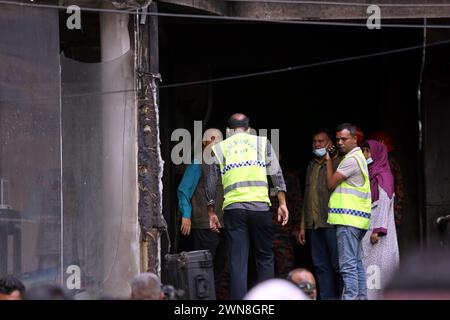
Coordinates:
[243,162]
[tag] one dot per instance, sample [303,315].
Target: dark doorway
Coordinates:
[377,93]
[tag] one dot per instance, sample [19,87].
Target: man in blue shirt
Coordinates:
[192,199]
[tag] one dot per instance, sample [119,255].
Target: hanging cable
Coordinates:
[317,64]
[241,76]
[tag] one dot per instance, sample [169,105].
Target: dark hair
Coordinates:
[238,120]
[305,286]
[294,271]
[365,144]
[47,292]
[325,131]
[10,284]
[347,126]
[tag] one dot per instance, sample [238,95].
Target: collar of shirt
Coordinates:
[353,150]
[319,160]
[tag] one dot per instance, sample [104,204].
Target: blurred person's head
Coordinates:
[365,148]
[275,289]
[421,276]
[212,135]
[146,286]
[11,288]
[47,292]
[304,279]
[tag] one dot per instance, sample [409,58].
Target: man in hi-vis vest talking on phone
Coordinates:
[243,161]
[349,209]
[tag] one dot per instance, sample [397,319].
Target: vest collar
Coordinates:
[238,132]
[355,149]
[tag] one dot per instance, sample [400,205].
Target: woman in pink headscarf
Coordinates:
[380,246]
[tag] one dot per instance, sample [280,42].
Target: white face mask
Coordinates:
[320,152]
[369,161]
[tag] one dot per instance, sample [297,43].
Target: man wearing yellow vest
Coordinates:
[243,161]
[349,209]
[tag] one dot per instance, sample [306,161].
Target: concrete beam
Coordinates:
[283,11]
[217,7]
[82,3]
[289,11]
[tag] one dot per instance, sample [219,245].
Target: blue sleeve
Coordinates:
[187,188]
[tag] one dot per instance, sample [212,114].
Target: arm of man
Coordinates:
[301,236]
[213,175]
[276,174]
[346,169]
[185,191]
[334,178]
[301,232]
[283,212]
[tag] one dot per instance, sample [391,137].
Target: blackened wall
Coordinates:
[436,135]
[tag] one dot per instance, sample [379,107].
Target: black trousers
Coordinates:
[205,239]
[241,227]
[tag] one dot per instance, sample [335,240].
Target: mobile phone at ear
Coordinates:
[332,151]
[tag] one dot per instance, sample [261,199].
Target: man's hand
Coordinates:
[283,214]
[374,238]
[185,226]
[331,152]
[214,223]
[301,236]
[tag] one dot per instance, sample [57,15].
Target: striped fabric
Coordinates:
[243,164]
[350,212]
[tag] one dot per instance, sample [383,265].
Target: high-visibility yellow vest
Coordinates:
[242,163]
[349,205]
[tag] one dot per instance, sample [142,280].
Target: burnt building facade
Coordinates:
[88,189]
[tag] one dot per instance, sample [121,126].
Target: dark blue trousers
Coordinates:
[326,264]
[241,227]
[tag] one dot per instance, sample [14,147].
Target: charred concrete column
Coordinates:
[119,147]
[151,165]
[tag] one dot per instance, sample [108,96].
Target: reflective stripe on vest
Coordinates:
[245,184]
[357,193]
[243,168]
[350,205]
